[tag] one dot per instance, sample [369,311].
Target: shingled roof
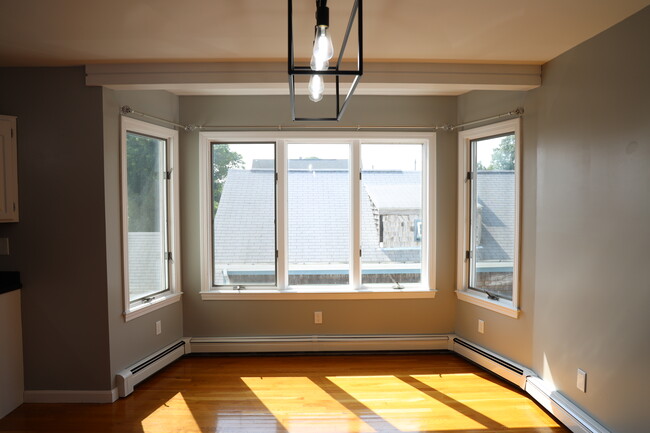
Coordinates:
[496,192]
[318,216]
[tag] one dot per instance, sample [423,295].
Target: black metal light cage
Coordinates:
[333,70]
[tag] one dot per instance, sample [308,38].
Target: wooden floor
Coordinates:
[329,394]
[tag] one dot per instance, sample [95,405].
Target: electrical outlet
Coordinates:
[318,317]
[158,327]
[481,326]
[582,380]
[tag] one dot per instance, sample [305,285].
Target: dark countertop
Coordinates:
[9,281]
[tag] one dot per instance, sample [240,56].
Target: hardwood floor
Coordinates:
[329,394]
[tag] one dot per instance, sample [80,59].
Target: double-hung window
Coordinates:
[488,210]
[150,241]
[317,215]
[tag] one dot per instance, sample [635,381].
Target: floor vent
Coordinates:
[130,377]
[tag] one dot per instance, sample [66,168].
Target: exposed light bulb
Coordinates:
[319,65]
[316,88]
[323,48]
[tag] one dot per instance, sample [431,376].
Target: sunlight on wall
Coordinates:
[547,375]
[302,406]
[174,415]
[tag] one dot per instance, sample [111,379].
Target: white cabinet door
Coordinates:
[8,170]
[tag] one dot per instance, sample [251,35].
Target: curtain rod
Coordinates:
[127,110]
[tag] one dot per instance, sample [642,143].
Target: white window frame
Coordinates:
[133,310]
[282,291]
[503,306]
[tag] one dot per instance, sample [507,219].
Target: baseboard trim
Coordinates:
[320,343]
[70,396]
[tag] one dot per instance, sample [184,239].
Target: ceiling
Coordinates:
[81,32]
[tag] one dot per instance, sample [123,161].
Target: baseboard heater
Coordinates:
[492,362]
[562,408]
[130,377]
[320,343]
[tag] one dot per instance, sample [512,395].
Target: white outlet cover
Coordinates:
[582,380]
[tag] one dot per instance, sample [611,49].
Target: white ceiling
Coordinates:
[80,32]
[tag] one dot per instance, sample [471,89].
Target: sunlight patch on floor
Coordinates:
[173,415]
[497,402]
[405,407]
[302,406]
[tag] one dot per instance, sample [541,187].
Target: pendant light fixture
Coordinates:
[322,53]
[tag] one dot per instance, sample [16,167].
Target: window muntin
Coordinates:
[147,215]
[488,216]
[150,235]
[318,221]
[391,214]
[492,212]
[243,214]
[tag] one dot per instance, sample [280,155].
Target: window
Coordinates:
[150,235]
[488,238]
[243,214]
[311,216]
[391,222]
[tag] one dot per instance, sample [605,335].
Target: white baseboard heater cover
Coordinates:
[320,343]
[562,408]
[491,361]
[131,376]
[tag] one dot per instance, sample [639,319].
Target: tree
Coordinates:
[223,159]
[503,156]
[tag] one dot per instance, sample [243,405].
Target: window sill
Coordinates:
[157,303]
[315,294]
[501,306]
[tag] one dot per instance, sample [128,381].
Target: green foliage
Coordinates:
[503,156]
[144,159]
[223,159]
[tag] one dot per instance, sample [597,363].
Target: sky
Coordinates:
[407,157]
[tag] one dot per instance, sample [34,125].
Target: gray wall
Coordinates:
[586,208]
[507,336]
[133,340]
[243,318]
[59,243]
[593,206]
